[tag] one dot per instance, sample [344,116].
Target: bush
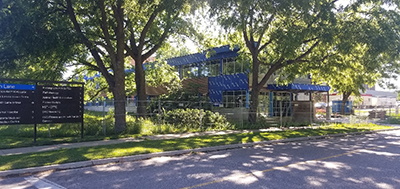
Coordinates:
[194,119]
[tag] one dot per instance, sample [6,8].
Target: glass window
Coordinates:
[232,99]
[238,67]
[190,71]
[232,66]
[214,67]
[204,69]
[176,69]
[209,68]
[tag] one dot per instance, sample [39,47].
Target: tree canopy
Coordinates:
[104,36]
[288,37]
[33,44]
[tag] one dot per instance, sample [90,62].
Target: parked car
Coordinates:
[320,105]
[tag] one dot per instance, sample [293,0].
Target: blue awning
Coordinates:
[299,87]
[220,53]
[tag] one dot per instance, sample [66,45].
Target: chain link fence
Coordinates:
[379,115]
[280,114]
[166,117]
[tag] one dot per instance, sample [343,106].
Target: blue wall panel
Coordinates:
[301,87]
[216,85]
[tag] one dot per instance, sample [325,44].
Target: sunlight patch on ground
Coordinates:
[89,172]
[394,143]
[108,168]
[241,178]
[301,167]
[378,185]
[21,185]
[282,159]
[159,161]
[329,165]
[396,180]
[200,176]
[220,156]
[247,165]
[354,180]
[316,181]
[379,153]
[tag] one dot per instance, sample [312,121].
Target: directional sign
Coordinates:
[59,104]
[31,104]
[16,104]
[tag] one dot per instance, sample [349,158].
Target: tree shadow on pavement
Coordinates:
[369,161]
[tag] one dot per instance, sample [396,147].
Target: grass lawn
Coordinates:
[150,146]
[7,142]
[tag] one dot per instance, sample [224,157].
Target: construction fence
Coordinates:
[280,113]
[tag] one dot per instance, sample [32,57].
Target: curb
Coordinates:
[82,164]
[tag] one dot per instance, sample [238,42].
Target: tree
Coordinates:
[157,74]
[277,34]
[105,32]
[362,58]
[282,36]
[33,44]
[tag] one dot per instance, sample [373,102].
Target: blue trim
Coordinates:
[6,86]
[218,53]
[216,85]
[299,87]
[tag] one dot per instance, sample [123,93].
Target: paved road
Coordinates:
[371,161]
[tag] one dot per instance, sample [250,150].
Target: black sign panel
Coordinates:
[58,104]
[16,104]
[32,104]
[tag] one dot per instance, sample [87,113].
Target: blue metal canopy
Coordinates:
[220,52]
[299,87]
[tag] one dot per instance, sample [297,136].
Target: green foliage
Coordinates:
[35,42]
[289,39]
[168,51]
[97,36]
[181,98]
[157,74]
[195,119]
[161,74]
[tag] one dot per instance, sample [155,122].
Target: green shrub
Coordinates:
[394,120]
[194,119]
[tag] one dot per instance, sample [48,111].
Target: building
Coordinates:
[372,99]
[225,81]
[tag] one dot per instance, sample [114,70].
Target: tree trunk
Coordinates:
[141,89]
[253,105]
[120,105]
[255,90]
[119,71]
[346,96]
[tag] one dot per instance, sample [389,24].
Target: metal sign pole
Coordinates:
[82,109]
[34,133]
[35,101]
